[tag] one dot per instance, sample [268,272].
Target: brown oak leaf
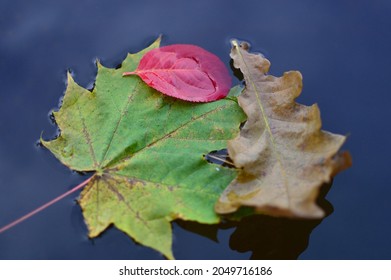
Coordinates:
[283,155]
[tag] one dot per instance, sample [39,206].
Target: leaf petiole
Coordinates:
[129,73]
[43,207]
[222,160]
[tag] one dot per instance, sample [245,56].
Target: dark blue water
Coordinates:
[342,49]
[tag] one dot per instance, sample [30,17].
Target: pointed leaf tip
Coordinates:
[69,77]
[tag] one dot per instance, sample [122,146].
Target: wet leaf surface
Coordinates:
[147,154]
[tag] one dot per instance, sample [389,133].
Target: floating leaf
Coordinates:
[283,155]
[186,72]
[146,150]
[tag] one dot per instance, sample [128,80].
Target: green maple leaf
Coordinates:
[146,150]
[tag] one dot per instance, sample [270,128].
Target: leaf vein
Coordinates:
[266,121]
[203,191]
[166,136]
[130,98]
[87,136]
[122,199]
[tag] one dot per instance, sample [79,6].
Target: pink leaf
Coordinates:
[186,72]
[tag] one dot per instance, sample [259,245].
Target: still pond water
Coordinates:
[341,48]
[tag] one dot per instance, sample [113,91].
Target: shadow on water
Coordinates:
[267,237]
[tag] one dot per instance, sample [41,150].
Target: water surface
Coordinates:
[340,47]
